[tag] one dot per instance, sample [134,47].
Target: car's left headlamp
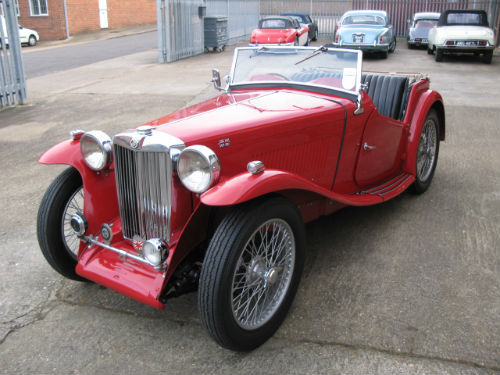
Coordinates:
[198,168]
[95,147]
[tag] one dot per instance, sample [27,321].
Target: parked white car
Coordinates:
[26,36]
[462,31]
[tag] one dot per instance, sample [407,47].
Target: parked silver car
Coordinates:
[419,27]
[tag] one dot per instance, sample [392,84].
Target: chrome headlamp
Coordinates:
[96,149]
[198,168]
[154,251]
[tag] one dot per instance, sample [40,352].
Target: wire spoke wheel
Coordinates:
[427,153]
[74,206]
[427,148]
[263,274]
[251,272]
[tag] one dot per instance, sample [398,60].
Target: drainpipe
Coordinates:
[66,19]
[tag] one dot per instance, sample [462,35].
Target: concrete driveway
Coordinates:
[411,286]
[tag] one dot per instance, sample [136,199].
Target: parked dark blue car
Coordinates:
[306,19]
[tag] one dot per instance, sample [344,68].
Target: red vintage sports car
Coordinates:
[214,197]
[284,31]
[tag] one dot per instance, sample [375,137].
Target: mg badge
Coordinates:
[134,143]
[224,143]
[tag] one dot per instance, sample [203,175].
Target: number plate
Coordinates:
[466,44]
[357,38]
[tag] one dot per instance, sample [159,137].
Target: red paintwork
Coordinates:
[277,36]
[296,134]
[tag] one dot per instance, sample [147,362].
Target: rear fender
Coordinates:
[100,199]
[247,186]
[427,101]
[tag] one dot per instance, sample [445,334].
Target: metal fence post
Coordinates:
[12,80]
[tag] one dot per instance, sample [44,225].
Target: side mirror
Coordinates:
[216,79]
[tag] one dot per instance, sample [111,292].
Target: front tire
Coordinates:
[58,243]
[32,41]
[251,272]
[427,153]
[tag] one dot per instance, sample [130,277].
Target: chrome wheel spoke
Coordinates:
[263,274]
[73,206]
[426,153]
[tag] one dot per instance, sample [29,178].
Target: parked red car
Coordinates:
[284,31]
[214,197]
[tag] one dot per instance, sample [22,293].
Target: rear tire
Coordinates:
[487,57]
[58,245]
[439,55]
[392,46]
[251,272]
[427,153]
[315,38]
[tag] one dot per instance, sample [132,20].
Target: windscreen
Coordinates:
[328,68]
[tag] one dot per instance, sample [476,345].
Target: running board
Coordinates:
[390,188]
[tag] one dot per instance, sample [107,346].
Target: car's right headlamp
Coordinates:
[198,168]
[96,149]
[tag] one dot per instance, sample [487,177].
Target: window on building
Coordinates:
[39,8]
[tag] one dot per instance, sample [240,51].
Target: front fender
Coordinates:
[100,199]
[247,186]
[429,99]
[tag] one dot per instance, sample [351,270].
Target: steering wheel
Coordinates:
[279,75]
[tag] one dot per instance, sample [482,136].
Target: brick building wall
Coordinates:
[123,13]
[83,16]
[50,27]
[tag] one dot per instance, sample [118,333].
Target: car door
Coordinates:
[380,150]
[23,35]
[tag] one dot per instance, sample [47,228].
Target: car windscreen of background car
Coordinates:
[465,19]
[425,24]
[274,24]
[363,19]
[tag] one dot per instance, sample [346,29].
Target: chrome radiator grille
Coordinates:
[143,180]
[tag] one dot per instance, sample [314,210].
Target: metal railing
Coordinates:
[12,79]
[180,24]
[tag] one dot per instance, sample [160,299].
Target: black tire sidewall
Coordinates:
[235,337]
[49,223]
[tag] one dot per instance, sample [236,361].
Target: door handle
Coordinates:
[367,147]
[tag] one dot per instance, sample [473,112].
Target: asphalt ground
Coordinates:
[408,287]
